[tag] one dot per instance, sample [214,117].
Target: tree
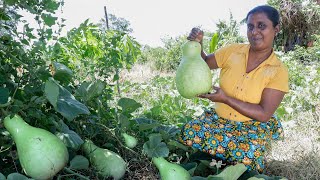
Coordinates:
[116,23]
[299,21]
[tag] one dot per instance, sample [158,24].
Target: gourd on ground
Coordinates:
[193,76]
[41,154]
[170,171]
[129,141]
[105,162]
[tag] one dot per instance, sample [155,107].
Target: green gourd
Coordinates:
[130,141]
[170,171]
[106,162]
[41,154]
[193,76]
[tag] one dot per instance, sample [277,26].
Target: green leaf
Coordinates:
[124,121]
[198,178]
[51,91]
[190,167]
[65,104]
[4,95]
[230,172]
[154,147]
[48,19]
[128,105]
[87,91]
[145,124]
[2,177]
[11,2]
[16,176]
[178,145]
[61,72]
[51,5]
[79,162]
[4,16]
[214,42]
[70,138]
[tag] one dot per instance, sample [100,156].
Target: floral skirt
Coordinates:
[231,141]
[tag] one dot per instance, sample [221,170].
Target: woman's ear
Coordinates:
[277,30]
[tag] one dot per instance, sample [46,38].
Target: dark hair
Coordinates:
[271,13]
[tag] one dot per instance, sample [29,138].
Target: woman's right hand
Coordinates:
[196,35]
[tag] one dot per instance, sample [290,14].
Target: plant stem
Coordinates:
[109,130]
[74,173]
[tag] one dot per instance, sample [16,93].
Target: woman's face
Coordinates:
[260,31]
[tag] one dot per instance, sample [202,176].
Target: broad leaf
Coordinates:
[48,19]
[65,103]
[4,95]
[146,124]
[70,138]
[51,91]
[124,121]
[16,176]
[154,147]
[88,91]
[79,162]
[190,167]
[230,172]
[214,42]
[128,105]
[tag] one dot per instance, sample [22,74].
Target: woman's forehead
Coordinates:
[257,17]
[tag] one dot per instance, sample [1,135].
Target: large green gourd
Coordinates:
[41,154]
[193,76]
[106,163]
[170,171]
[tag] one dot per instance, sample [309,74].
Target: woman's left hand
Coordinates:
[217,96]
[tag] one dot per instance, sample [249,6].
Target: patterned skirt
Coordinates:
[231,141]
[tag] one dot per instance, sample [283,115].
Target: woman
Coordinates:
[253,82]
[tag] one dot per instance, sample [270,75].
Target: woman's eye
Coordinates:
[250,28]
[261,26]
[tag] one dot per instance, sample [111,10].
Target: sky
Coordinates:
[152,20]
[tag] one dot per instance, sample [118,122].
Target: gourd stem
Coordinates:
[110,131]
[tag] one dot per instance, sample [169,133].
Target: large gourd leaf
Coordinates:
[230,172]
[154,147]
[79,162]
[128,105]
[70,138]
[87,91]
[64,102]
[4,95]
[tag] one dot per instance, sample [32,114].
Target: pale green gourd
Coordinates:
[130,141]
[170,171]
[106,162]
[41,154]
[193,76]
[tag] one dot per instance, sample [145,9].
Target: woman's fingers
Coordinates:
[195,35]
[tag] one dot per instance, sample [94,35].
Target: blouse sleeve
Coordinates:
[280,81]
[223,53]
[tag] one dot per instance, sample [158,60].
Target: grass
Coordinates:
[296,158]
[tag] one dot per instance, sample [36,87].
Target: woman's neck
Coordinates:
[260,55]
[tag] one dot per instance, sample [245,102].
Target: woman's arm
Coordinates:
[263,111]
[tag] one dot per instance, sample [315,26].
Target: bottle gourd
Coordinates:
[41,154]
[193,76]
[106,163]
[170,171]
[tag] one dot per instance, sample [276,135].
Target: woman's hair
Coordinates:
[271,13]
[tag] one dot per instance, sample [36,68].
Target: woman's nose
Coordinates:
[254,31]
